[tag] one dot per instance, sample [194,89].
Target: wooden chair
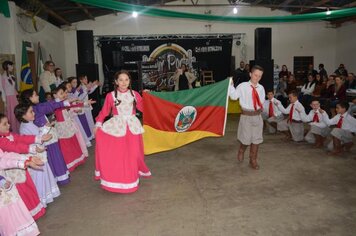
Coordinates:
[207,77]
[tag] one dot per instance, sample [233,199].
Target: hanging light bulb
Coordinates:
[234,10]
[134,14]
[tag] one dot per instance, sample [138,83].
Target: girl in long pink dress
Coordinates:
[15,219]
[119,158]
[9,94]
[24,144]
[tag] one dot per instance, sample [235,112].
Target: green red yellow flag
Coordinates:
[173,119]
[26,76]
[39,61]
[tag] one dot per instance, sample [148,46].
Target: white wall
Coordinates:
[70,50]
[345,43]
[288,39]
[327,45]
[12,35]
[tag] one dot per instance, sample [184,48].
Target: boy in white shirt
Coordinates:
[293,126]
[319,130]
[345,127]
[271,114]
[251,94]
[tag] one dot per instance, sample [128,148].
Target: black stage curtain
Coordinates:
[160,58]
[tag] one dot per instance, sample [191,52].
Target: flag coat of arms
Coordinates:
[173,119]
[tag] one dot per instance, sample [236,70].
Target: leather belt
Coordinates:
[251,113]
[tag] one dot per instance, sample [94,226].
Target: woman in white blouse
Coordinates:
[47,80]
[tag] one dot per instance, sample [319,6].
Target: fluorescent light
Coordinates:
[134,14]
[235,10]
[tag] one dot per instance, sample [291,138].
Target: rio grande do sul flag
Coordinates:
[173,119]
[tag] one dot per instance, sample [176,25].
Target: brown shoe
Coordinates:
[254,165]
[319,141]
[348,146]
[253,156]
[337,150]
[241,152]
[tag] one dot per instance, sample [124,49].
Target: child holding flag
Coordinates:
[251,94]
[119,157]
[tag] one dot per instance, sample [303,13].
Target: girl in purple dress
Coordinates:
[44,180]
[54,153]
[79,117]
[87,88]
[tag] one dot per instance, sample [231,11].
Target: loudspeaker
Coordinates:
[117,59]
[267,77]
[85,45]
[232,66]
[92,72]
[263,43]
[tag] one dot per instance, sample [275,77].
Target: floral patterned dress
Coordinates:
[119,157]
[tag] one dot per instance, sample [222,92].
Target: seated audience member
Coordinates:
[308,88]
[322,72]
[310,71]
[345,125]
[307,91]
[291,84]
[341,71]
[326,93]
[319,130]
[247,70]
[293,126]
[352,109]
[284,72]
[271,114]
[281,90]
[350,82]
[319,86]
[338,94]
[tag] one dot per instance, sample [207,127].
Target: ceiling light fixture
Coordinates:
[235,10]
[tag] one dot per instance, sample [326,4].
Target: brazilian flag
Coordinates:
[26,75]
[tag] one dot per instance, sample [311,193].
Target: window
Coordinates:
[301,66]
